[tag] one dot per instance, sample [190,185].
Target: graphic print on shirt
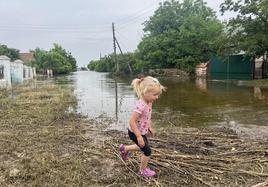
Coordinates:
[145,111]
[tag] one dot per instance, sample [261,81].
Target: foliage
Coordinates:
[107,63]
[12,53]
[180,35]
[248,30]
[57,59]
[40,56]
[183,33]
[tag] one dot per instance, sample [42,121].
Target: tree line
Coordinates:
[12,53]
[182,34]
[57,59]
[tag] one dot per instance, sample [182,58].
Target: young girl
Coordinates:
[148,90]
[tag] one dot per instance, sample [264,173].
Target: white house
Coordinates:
[27,72]
[16,69]
[5,76]
[258,67]
[14,72]
[201,70]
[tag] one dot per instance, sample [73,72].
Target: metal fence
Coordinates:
[234,67]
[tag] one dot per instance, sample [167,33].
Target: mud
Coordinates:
[43,143]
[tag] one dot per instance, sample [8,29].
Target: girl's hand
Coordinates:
[140,141]
[152,132]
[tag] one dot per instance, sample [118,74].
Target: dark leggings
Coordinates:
[146,149]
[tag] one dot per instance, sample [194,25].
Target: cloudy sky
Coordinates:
[82,27]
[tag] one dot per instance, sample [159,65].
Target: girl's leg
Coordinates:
[144,162]
[144,170]
[133,147]
[124,149]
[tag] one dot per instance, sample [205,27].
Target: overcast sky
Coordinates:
[82,27]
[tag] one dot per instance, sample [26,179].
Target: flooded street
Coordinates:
[50,143]
[187,104]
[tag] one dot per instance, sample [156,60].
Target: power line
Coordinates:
[135,16]
[46,29]
[148,8]
[122,36]
[52,25]
[140,16]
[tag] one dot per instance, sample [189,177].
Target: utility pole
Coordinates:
[117,71]
[129,67]
[114,40]
[114,44]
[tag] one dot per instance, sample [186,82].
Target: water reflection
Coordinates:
[222,102]
[201,83]
[191,103]
[99,94]
[258,93]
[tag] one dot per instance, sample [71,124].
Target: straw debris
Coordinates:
[43,143]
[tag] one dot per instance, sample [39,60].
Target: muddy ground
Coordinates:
[44,143]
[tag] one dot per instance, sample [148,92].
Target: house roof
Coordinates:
[201,65]
[259,59]
[26,57]
[3,57]
[18,61]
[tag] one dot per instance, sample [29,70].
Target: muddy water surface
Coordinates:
[187,104]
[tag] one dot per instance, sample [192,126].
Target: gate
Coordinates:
[234,67]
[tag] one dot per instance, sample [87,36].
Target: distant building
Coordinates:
[14,72]
[201,70]
[233,67]
[26,57]
[259,67]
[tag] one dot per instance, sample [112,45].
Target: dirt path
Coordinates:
[42,144]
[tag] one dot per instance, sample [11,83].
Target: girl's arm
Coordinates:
[151,131]
[133,125]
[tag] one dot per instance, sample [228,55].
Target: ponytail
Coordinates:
[136,87]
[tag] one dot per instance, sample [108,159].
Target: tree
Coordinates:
[180,35]
[60,61]
[12,53]
[249,29]
[57,59]
[40,57]
[107,64]
[72,61]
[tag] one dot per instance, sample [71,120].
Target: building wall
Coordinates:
[201,72]
[6,81]
[15,72]
[27,72]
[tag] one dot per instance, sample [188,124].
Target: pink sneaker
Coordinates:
[123,152]
[147,173]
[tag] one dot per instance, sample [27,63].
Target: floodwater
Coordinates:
[197,103]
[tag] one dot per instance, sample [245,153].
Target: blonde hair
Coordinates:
[143,85]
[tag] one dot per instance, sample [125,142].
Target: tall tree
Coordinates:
[40,57]
[249,28]
[12,53]
[180,34]
[57,59]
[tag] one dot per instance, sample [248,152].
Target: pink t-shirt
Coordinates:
[144,120]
